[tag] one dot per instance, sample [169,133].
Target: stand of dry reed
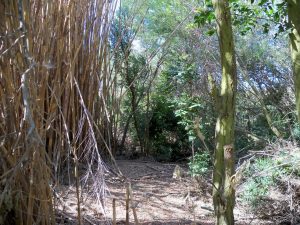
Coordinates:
[55,87]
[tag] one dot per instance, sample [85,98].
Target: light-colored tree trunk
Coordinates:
[294,19]
[223,192]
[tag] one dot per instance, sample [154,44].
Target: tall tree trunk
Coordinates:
[223,192]
[294,19]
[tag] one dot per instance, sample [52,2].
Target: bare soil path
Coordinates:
[158,198]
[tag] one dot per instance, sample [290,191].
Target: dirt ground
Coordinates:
[158,198]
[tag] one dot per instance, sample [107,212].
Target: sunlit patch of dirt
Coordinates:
[158,198]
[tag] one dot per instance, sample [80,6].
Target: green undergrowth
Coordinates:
[199,164]
[267,172]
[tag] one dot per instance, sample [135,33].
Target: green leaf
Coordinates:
[262,2]
[191,138]
[211,32]
[266,28]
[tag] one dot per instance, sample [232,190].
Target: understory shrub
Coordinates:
[260,177]
[200,164]
[168,137]
[268,186]
[296,131]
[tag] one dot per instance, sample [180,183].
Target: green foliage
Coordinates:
[121,35]
[179,93]
[266,13]
[247,15]
[181,71]
[265,172]
[200,164]
[205,16]
[255,190]
[289,161]
[261,58]
[186,109]
[161,150]
[260,177]
[296,131]
[168,137]
[243,17]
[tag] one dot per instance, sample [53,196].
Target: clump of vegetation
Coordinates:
[273,173]
[168,137]
[296,131]
[257,187]
[199,164]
